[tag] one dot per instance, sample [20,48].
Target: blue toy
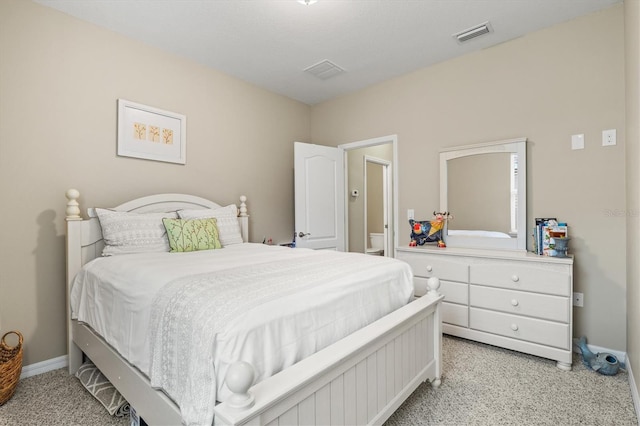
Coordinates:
[603,363]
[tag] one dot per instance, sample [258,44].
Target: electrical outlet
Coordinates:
[609,137]
[578,299]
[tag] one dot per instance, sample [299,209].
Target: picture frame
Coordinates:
[151,133]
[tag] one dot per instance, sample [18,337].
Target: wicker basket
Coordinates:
[10,366]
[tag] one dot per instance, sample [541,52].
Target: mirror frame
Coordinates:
[519,146]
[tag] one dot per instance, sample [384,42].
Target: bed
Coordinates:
[359,378]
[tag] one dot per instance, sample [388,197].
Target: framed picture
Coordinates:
[151,133]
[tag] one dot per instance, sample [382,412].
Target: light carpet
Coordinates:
[485,385]
[481,385]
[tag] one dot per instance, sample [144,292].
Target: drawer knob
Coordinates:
[514,302]
[429,268]
[514,327]
[515,278]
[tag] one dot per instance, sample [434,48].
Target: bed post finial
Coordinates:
[243,206]
[73,211]
[239,379]
[433,284]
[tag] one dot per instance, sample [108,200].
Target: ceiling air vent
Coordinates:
[324,70]
[473,32]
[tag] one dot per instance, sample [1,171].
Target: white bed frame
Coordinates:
[361,379]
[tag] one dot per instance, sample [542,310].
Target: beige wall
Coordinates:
[545,86]
[59,82]
[632,56]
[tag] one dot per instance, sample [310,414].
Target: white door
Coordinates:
[319,196]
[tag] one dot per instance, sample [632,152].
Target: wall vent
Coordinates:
[324,70]
[473,32]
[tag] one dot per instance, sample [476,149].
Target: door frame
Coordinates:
[386,203]
[392,139]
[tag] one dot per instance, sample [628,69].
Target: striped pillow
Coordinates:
[226,221]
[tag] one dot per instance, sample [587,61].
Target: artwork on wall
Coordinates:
[151,133]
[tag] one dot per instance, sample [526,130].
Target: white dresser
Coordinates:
[515,300]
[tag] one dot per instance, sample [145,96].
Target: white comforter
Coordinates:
[269,306]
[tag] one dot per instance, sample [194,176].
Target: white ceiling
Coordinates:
[271,42]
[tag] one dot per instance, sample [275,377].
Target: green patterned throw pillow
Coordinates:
[192,234]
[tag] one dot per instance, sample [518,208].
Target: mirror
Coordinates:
[484,189]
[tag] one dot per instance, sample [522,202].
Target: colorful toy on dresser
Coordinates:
[428,231]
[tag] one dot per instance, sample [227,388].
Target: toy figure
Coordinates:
[428,231]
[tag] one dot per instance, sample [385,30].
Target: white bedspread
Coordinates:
[303,301]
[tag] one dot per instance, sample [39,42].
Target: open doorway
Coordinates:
[377,179]
[372,162]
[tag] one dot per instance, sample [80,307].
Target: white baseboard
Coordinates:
[44,366]
[634,391]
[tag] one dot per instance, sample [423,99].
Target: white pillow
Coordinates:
[126,232]
[226,220]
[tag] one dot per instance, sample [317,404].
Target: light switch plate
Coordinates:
[577,141]
[410,214]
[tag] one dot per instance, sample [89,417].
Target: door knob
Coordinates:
[302,234]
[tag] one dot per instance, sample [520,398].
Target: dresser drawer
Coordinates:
[424,265]
[522,328]
[553,308]
[454,292]
[520,276]
[455,314]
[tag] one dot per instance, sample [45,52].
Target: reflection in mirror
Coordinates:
[480,193]
[484,188]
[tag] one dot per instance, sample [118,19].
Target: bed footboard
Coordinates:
[362,379]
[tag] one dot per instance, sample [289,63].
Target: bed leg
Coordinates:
[74,259]
[75,358]
[239,379]
[433,284]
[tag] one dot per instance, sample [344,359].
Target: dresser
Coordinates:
[515,300]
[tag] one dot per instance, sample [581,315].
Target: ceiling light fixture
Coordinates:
[307,2]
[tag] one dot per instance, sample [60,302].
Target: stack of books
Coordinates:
[546,229]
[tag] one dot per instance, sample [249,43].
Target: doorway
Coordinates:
[377,179]
[382,153]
